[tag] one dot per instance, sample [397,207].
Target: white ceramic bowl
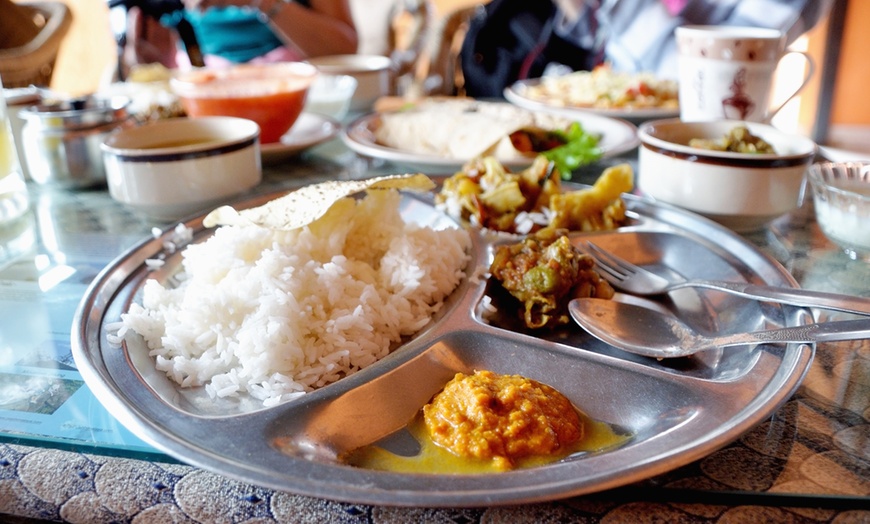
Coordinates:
[373,73]
[330,95]
[169,169]
[742,191]
[841,194]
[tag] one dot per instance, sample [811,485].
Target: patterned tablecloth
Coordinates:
[809,462]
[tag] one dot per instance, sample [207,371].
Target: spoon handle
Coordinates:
[791,296]
[820,332]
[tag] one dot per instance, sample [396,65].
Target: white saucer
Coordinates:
[835,154]
[311,129]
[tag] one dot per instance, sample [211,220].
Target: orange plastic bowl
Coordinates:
[272,95]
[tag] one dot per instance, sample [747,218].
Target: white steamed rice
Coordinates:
[275,314]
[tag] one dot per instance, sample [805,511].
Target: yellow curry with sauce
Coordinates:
[489,423]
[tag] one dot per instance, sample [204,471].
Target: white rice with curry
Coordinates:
[276,313]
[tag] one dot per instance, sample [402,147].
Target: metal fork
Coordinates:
[625,276]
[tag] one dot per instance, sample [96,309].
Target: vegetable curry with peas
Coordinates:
[544,271]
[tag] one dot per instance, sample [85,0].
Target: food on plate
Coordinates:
[147,87]
[299,293]
[487,194]
[544,272]
[605,88]
[598,208]
[580,148]
[154,72]
[465,128]
[487,422]
[502,418]
[738,140]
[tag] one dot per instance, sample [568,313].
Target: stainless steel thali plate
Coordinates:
[676,411]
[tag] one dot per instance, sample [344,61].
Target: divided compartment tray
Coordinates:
[676,411]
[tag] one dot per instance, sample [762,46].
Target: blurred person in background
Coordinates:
[240,31]
[631,36]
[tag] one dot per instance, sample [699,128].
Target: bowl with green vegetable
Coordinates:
[741,174]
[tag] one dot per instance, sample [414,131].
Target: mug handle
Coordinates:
[810,70]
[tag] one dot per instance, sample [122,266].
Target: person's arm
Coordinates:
[326,28]
[147,42]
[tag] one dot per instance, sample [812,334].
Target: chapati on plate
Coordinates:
[464,128]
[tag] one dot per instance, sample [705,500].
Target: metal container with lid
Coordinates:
[62,139]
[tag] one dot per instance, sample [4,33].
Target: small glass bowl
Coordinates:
[841,193]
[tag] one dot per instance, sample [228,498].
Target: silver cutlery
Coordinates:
[625,276]
[651,333]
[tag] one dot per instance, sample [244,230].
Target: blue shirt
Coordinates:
[232,32]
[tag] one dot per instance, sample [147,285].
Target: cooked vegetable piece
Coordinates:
[737,140]
[487,194]
[598,208]
[544,272]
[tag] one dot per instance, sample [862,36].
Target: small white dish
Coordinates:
[310,130]
[835,154]
[168,169]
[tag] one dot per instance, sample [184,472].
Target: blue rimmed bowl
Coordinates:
[742,191]
[168,169]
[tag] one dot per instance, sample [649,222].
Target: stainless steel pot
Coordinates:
[62,139]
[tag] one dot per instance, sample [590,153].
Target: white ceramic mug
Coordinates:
[727,72]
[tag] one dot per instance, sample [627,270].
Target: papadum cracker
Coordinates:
[310,203]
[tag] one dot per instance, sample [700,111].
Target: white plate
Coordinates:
[617,137]
[311,129]
[515,95]
[834,154]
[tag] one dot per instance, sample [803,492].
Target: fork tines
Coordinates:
[611,269]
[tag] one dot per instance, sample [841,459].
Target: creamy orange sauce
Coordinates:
[270,111]
[487,423]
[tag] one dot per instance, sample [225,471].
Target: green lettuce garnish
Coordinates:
[580,148]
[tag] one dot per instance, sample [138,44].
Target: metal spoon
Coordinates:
[651,333]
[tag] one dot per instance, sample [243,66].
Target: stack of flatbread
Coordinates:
[462,128]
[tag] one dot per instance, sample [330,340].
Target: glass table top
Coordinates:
[814,445]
